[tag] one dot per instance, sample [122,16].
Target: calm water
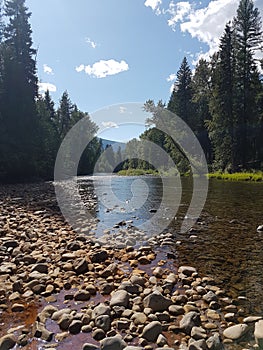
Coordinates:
[227,245]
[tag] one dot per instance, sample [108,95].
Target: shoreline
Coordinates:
[142,294]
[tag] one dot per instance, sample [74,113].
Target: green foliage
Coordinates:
[252,176]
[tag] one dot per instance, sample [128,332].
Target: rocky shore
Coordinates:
[62,290]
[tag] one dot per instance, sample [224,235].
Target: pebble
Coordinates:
[236,331]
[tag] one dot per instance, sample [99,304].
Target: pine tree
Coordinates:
[64,115]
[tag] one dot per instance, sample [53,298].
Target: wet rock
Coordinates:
[236,331]
[98,334]
[64,321]
[103,322]
[120,298]
[210,296]
[41,268]
[73,246]
[186,270]
[7,342]
[109,271]
[101,309]
[81,266]
[113,343]
[152,331]
[190,320]
[157,302]
[161,340]
[18,308]
[82,295]
[58,314]
[258,333]
[89,346]
[99,257]
[75,327]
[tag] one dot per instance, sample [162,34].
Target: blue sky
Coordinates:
[108,52]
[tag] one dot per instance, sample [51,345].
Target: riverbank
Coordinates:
[63,290]
[242,176]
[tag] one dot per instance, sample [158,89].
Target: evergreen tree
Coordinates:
[19,91]
[180,101]
[201,85]
[64,115]
[222,125]
[248,31]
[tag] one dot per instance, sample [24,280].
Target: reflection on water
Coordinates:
[227,246]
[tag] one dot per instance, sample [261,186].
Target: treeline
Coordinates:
[222,102]
[31,129]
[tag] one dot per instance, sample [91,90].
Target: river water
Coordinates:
[224,243]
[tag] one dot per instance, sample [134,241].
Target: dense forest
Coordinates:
[221,101]
[31,129]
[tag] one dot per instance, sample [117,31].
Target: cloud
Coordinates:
[109,124]
[123,109]
[178,12]
[102,68]
[47,86]
[171,77]
[154,4]
[47,69]
[91,43]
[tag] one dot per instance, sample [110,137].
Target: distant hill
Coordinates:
[115,144]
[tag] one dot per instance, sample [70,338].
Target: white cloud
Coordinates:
[91,43]
[47,69]
[80,68]
[109,124]
[103,68]
[123,109]
[178,12]
[207,24]
[171,88]
[153,3]
[47,86]
[171,77]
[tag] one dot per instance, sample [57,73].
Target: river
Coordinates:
[224,243]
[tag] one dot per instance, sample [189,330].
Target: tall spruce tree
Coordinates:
[19,91]
[223,123]
[248,32]
[180,101]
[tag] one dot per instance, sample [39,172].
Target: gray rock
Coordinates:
[7,342]
[113,343]
[98,334]
[139,318]
[152,331]
[157,302]
[89,346]
[251,319]
[64,321]
[187,270]
[176,310]
[210,296]
[260,228]
[133,348]
[120,298]
[214,342]
[57,314]
[236,332]
[198,333]
[198,345]
[258,333]
[161,340]
[190,320]
[103,322]
[100,309]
